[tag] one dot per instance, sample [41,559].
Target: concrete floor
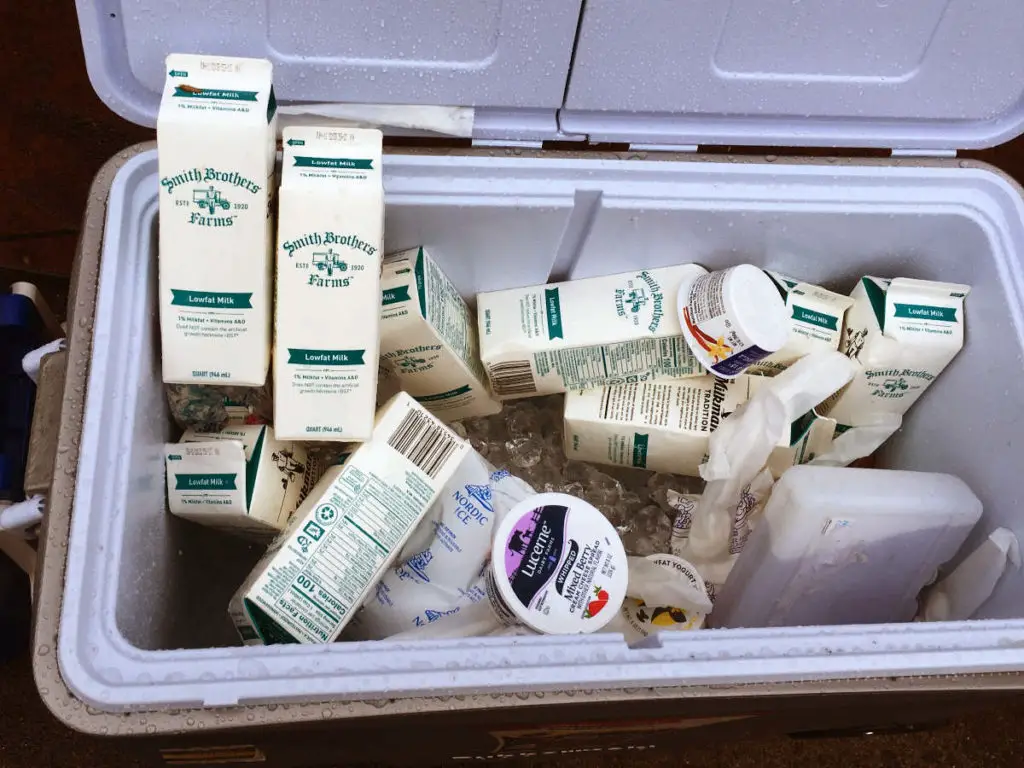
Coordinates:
[60,134]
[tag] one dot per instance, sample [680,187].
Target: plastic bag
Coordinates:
[860,440]
[440,570]
[960,594]
[739,449]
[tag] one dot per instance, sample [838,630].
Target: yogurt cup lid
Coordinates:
[558,566]
[638,620]
[732,318]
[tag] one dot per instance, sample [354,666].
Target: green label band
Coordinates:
[211,299]
[326,356]
[334,162]
[925,312]
[553,307]
[205,482]
[395,295]
[640,450]
[819,319]
[443,395]
[187,92]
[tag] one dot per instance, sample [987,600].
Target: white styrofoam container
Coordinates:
[143,621]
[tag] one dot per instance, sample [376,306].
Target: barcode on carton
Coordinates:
[425,442]
[512,378]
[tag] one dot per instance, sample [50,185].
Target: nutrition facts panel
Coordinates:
[629,361]
[352,535]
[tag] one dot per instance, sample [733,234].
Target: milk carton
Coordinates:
[349,529]
[216,132]
[328,284]
[585,333]
[660,425]
[902,333]
[815,318]
[809,436]
[665,425]
[428,339]
[240,479]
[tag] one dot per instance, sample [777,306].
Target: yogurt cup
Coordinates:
[732,319]
[558,567]
[638,621]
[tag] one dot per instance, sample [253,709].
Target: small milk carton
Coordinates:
[239,479]
[328,284]
[428,339]
[659,425]
[217,134]
[585,333]
[816,322]
[665,426]
[349,529]
[902,333]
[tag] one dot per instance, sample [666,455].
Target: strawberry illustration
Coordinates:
[595,606]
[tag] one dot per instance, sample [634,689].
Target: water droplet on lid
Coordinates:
[43,650]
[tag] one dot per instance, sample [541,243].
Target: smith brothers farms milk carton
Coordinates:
[216,134]
[585,333]
[328,284]
[902,333]
[428,339]
[816,320]
[350,528]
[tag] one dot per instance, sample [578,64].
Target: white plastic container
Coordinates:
[839,545]
[557,567]
[918,77]
[732,318]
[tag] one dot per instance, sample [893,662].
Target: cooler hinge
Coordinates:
[924,152]
[663,148]
[508,144]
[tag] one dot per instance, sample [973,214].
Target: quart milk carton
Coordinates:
[428,339]
[902,333]
[349,529]
[662,425]
[239,479]
[665,426]
[217,133]
[816,320]
[585,333]
[328,284]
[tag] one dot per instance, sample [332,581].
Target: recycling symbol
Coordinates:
[326,514]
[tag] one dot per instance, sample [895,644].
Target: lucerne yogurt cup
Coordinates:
[732,318]
[558,567]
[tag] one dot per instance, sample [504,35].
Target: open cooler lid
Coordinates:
[910,74]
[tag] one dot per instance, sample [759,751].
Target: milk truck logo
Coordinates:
[288,466]
[641,302]
[321,255]
[411,363]
[210,197]
[414,359]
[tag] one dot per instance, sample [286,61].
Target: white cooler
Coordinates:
[141,623]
